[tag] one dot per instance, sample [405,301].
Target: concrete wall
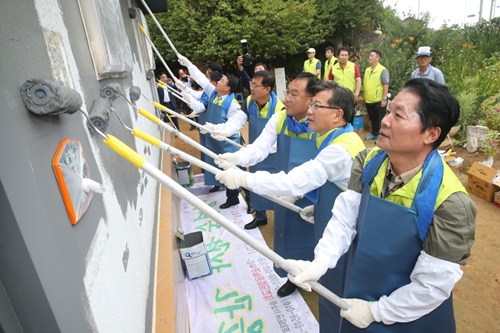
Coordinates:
[97,275]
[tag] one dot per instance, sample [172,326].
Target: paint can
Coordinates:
[184,173]
[357,124]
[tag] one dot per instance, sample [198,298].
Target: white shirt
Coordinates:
[166,97]
[432,279]
[264,145]
[332,164]
[236,118]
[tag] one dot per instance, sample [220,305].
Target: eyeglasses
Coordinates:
[255,85]
[319,106]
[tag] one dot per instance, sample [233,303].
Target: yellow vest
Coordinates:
[372,85]
[310,66]
[263,112]
[345,77]
[350,141]
[328,66]
[281,123]
[404,196]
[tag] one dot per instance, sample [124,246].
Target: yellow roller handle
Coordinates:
[149,115]
[146,137]
[125,151]
[159,106]
[162,85]
[142,29]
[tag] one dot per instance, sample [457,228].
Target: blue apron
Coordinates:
[217,115]
[333,279]
[255,127]
[293,237]
[384,253]
[202,119]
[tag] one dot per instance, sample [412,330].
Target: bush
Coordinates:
[490,110]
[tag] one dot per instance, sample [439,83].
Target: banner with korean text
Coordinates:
[240,294]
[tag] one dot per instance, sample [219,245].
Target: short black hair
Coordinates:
[267,78]
[343,48]
[378,52]
[312,82]
[437,106]
[329,48]
[232,82]
[342,98]
[261,64]
[215,76]
[195,85]
[216,67]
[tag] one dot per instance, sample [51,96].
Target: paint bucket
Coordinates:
[184,173]
[358,124]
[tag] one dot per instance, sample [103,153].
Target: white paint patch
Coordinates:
[117,300]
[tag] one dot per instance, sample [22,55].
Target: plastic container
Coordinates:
[184,173]
[358,124]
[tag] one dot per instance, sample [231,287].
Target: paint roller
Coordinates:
[140,162]
[44,97]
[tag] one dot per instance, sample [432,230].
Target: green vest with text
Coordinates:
[372,84]
[345,77]
[310,66]
[404,196]
[328,66]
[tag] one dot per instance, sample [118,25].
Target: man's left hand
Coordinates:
[208,127]
[359,313]
[233,178]
[219,135]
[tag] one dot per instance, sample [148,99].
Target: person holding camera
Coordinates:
[246,60]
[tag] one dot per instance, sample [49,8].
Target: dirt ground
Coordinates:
[477,294]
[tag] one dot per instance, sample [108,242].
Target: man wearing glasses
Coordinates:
[320,177]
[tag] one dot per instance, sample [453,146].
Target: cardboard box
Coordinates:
[194,255]
[497,199]
[480,181]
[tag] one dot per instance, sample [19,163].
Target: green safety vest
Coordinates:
[372,84]
[310,66]
[345,77]
[404,196]
[328,66]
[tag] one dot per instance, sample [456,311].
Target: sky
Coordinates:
[451,11]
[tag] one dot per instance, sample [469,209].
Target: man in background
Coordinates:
[312,65]
[346,73]
[425,70]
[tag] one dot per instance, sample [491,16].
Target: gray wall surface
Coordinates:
[95,276]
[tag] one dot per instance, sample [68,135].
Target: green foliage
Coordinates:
[490,109]
[491,145]
[210,30]
[486,36]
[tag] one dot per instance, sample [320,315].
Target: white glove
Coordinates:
[233,178]
[360,312]
[233,158]
[291,199]
[179,84]
[310,271]
[219,135]
[224,165]
[308,214]
[183,60]
[208,126]
[186,96]
[192,115]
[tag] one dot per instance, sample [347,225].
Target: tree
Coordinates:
[210,30]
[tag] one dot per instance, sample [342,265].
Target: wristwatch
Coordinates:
[384,99]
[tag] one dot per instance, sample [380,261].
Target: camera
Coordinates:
[247,57]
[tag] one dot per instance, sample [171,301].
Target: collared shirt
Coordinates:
[432,73]
[236,118]
[394,182]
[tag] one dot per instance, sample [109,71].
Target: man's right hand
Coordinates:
[232,158]
[183,60]
[239,62]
